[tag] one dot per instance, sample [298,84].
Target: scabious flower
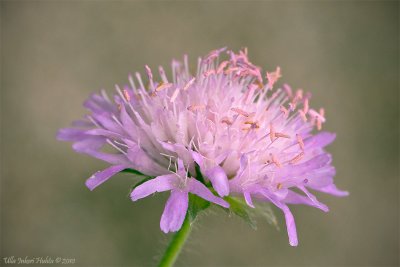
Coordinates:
[224,123]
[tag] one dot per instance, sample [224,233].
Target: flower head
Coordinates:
[244,136]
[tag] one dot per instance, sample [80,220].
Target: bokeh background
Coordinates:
[54,53]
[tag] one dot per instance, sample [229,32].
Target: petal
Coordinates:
[297,199]
[142,162]
[290,223]
[247,198]
[71,134]
[313,199]
[115,159]
[197,188]
[100,177]
[174,211]
[89,143]
[333,190]
[319,140]
[219,180]
[158,184]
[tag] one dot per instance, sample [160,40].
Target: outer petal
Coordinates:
[102,176]
[71,134]
[142,162]
[318,204]
[290,223]
[333,190]
[247,198]
[197,188]
[321,139]
[174,211]
[158,184]
[219,180]
[295,198]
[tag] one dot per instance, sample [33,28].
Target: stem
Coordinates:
[176,244]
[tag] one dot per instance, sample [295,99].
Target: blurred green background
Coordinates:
[54,53]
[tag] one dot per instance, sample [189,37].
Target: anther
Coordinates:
[226,120]
[279,186]
[196,107]
[302,115]
[277,134]
[297,158]
[190,83]
[241,112]
[163,86]
[284,111]
[127,96]
[271,132]
[275,161]
[300,141]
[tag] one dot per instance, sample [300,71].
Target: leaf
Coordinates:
[196,205]
[240,208]
[133,171]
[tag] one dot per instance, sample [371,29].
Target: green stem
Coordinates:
[176,244]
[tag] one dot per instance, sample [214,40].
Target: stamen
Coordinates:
[273,77]
[175,95]
[277,134]
[162,74]
[305,106]
[271,132]
[253,125]
[275,161]
[209,72]
[190,83]
[196,107]
[126,94]
[284,111]
[226,120]
[222,66]
[302,115]
[163,86]
[241,112]
[279,186]
[300,141]
[297,158]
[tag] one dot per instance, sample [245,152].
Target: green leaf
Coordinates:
[132,171]
[196,205]
[241,209]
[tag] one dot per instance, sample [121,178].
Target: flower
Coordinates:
[180,185]
[247,138]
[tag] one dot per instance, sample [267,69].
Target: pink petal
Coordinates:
[142,162]
[247,198]
[174,211]
[158,184]
[197,188]
[290,223]
[100,177]
[219,180]
[333,190]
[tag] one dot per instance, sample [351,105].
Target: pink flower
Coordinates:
[246,137]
